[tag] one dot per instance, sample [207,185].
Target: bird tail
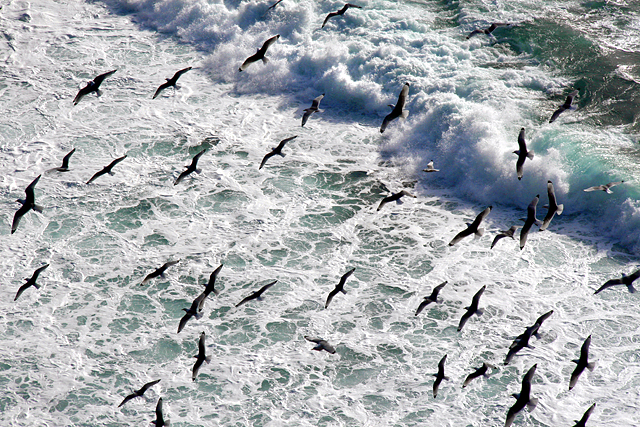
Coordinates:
[538,222]
[38,208]
[198,315]
[36,286]
[404,114]
[343,291]
[480,232]
[530,155]
[631,288]
[265,60]
[282,154]
[479,312]
[207,359]
[591,366]
[533,402]
[560,209]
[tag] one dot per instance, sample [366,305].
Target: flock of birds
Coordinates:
[523,399]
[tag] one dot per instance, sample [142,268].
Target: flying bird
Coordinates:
[256,294]
[65,163]
[92,86]
[566,106]
[480,372]
[604,187]
[582,363]
[193,167]
[472,228]
[522,154]
[398,109]
[430,168]
[552,208]
[431,298]
[321,344]
[523,398]
[277,150]
[528,223]
[200,357]
[139,393]
[106,169]
[625,280]
[28,203]
[472,309]
[159,421]
[313,109]
[159,272]
[170,82]
[194,310]
[505,233]
[31,281]
[212,281]
[260,53]
[522,340]
[394,197]
[488,30]
[585,417]
[272,6]
[439,376]
[340,12]
[339,287]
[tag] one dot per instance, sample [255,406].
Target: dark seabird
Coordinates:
[106,169]
[472,228]
[339,287]
[277,150]
[193,167]
[194,310]
[505,233]
[27,204]
[321,344]
[65,163]
[604,187]
[564,107]
[531,219]
[340,12]
[159,272]
[139,393]
[581,363]
[212,281]
[522,154]
[430,168]
[487,31]
[159,421]
[31,281]
[259,54]
[394,197]
[398,109]
[480,372]
[256,294]
[200,357]
[439,376]
[625,280]
[523,398]
[585,417]
[431,298]
[92,86]
[522,340]
[272,6]
[171,82]
[313,109]
[552,208]
[472,309]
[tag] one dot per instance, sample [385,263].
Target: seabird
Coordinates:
[277,150]
[339,287]
[272,6]
[564,107]
[139,393]
[585,417]
[625,280]
[505,233]
[31,281]
[394,197]
[481,371]
[604,187]
[522,154]
[193,167]
[256,294]
[171,82]
[200,357]
[488,30]
[340,12]
[260,53]
[531,219]
[552,208]
[107,169]
[472,309]
[159,421]
[472,228]
[92,86]
[522,340]
[439,376]
[194,310]
[65,163]
[28,203]
[159,272]
[398,109]
[212,281]
[321,344]
[313,109]
[431,298]
[581,363]
[430,168]
[523,398]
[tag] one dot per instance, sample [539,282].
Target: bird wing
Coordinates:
[38,271]
[316,102]
[82,92]
[556,113]
[584,350]
[177,75]
[327,347]
[30,196]
[595,188]
[159,409]
[569,100]
[575,376]
[461,235]
[65,159]
[463,319]
[162,87]
[474,32]
[18,216]
[128,398]
[194,161]
[185,319]
[265,287]
[612,184]
[345,276]
[522,144]
[330,297]
[313,339]
[98,80]
[306,115]
[388,118]
[212,280]
[201,349]
[482,215]
[22,289]
[250,60]
[609,284]
[423,304]
[498,237]
[402,98]
[182,176]
[553,207]
[116,161]
[249,298]
[145,387]
[330,15]
[385,201]
[268,44]
[633,277]
[476,297]
[471,376]
[265,158]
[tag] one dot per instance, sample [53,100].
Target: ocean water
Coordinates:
[71,350]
